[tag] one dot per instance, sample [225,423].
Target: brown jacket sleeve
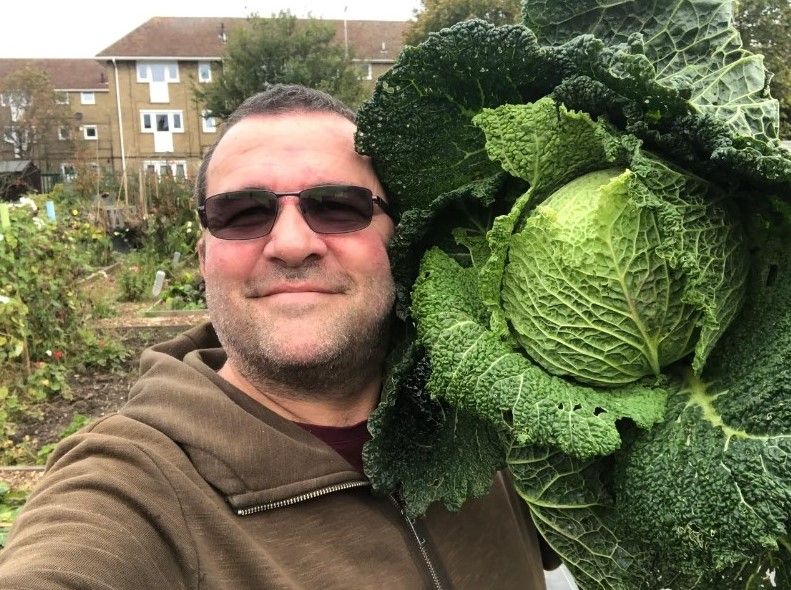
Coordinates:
[88,524]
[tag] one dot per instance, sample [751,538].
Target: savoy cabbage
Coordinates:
[594,247]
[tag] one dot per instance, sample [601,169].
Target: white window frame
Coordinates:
[64,133]
[152,113]
[208,123]
[143,70]
[201,79]
[3,100]
[87,97]
[367,75]
[61,97]
[85,135]
[172,165]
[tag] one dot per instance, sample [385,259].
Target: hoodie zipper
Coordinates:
[421,543]
[302,497]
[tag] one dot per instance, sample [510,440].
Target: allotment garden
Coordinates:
[86,282]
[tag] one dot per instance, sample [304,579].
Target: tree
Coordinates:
[438,14]
[281,49]
[36,117]
[765,27]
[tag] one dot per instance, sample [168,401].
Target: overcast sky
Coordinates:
[82,28]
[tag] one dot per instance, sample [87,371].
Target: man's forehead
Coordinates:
[294,123]
[289,131]
[307,141]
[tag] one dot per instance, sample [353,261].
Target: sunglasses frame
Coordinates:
[375,200]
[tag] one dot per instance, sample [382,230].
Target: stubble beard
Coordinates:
[352,350]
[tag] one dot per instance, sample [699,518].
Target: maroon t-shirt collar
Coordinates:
[347,441]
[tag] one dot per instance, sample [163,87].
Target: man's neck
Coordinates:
[322,409]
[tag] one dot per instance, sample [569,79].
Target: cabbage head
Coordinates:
[620,271]
[594,289]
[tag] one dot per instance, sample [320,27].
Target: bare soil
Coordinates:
[95,392]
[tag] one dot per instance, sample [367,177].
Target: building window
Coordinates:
[157,71]
[204,71]
[90,132]
[158,75]
[68,171]
[209,123]
[64,133]
[61,97]
[151,121]
[175,168]
[365,71]
[87,98]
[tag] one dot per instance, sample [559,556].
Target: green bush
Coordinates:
[101,351]
[183,291]
[43,309]
[136,277]
[40,263]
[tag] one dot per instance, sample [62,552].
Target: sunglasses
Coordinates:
[326,209]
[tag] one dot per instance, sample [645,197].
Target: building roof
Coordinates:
[11,166]
[201,37]
[65,74]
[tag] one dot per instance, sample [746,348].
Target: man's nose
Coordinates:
[291,240]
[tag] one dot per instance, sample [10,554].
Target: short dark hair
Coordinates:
[277,99]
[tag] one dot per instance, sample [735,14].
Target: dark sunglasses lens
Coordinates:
[337,209]
[241,215]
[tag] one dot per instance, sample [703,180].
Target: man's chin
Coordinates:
[302,353]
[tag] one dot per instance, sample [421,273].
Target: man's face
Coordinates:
[296,307]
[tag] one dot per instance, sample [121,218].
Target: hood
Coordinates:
[248,453]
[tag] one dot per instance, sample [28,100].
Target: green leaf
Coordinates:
[573,512]
[691,44]
[425,450]
[718,466]
[475,371]
[418,126]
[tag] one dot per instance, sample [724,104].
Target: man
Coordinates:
[236,463]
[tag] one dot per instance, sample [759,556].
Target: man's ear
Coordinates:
[202,254]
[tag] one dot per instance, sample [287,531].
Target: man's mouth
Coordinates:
[299,288]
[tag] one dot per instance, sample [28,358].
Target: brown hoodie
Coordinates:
[194,485]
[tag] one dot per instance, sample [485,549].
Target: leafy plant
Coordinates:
[46,380]
[136,276]
[44,309]
[184,292]
[100,350]
[594,248]
[11,502]
[40,263]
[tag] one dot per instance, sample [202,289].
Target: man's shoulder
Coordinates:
[116,438]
